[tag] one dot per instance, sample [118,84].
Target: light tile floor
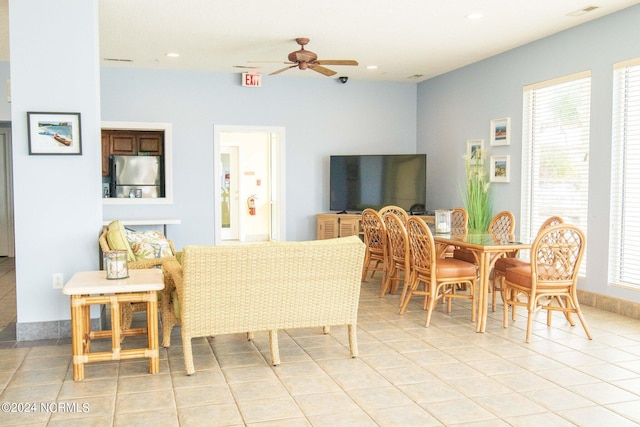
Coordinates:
[406,375]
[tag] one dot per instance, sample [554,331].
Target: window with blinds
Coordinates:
[624,236]
[555,152]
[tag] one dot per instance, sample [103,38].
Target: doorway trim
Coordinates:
[277,175]
[8,190]
[233,231]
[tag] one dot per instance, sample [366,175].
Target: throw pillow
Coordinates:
[117,239]
[148,244]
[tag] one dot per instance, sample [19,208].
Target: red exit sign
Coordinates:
[251,79]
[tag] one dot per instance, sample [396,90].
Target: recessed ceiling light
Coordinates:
[372,67]
[173,55]
[476,15]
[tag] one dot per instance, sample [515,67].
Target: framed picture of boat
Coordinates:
[54,133]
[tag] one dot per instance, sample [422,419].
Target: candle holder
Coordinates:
[443,221]
[116,265]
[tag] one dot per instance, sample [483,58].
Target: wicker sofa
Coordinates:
[265,287]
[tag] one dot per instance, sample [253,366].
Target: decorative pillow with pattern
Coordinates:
[148,244]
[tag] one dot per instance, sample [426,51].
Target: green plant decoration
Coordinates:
[477,194]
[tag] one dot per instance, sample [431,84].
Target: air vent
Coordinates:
[416,76]
[118,60]
[582,11]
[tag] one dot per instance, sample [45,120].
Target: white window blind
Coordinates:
[555,153]
[624,237]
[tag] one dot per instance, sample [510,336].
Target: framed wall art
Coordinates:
[475,151]
[500,131]
[500,169]
[54,133]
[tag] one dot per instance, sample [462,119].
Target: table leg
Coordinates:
[77,336]
[86,331]
[483,291]
[152,332]
[116,327]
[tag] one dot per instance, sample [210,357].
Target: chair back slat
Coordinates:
[422,245]
[396,237]
[375,233]
[552,220]
[459,219]
[398,211]
[502,223]
[556,254]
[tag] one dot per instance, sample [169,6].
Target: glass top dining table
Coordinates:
[486,248]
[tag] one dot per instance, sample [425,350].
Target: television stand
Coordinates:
[343,224]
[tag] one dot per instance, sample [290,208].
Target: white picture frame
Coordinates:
[475,151]
[500,169]
[501,131]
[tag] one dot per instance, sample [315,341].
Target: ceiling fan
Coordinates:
[305,59]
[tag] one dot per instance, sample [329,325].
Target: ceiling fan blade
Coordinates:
[320,69]
[337,62]
[281,70]
[269,62]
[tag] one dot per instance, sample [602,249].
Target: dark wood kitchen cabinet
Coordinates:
[105,154]
[130,143]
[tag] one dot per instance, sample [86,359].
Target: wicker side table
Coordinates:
[92,287]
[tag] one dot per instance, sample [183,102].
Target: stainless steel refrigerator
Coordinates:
[136,176]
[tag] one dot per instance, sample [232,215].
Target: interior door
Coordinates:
[274,183]
[6,223]
[229,192]
[260,178]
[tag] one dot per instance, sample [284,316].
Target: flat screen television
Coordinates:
[374,181]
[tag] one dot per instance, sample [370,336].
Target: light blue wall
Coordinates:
[320,115]
[57,208]
[458,106]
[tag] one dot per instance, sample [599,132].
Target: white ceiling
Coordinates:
[404,38]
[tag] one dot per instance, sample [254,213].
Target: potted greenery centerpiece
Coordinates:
[477,193]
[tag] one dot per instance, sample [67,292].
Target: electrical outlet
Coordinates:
[58,281]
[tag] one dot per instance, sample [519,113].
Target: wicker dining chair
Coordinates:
[550,276]
[438,275]
[399,255]
[375,238]
[501,265]
[459,222]
[400,212]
